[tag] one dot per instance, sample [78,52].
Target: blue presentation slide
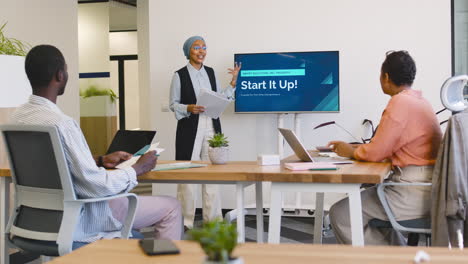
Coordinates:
[288,82]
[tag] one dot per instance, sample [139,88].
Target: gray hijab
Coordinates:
[188,44]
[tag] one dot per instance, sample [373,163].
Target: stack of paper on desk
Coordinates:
[214,103]
[297,166]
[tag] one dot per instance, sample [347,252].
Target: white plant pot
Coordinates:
[97,106]
[218,155]
[237,260]
[15,88]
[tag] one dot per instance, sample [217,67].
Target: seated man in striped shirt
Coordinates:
[47,72]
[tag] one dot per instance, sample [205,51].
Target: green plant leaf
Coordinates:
[12,46]
[95,91]
[218,140]
[217,238]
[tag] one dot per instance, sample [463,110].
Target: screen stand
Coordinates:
[280,137]
[297,131]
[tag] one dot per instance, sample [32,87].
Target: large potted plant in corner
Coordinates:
[218,150]
[218,239]
[98,108]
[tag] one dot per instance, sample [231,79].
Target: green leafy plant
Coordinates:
[217,238]
[12,46]
[218,140]
[94,91]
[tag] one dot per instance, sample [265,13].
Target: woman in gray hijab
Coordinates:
[193,127]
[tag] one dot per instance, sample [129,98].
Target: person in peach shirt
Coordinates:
[408,136]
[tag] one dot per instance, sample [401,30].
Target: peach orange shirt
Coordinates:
[408,134]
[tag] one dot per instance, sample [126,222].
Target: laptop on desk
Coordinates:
[131,140]
[303,154]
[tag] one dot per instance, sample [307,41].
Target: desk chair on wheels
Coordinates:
[46,208]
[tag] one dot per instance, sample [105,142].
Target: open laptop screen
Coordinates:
[131,140]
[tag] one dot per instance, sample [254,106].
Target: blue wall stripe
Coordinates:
[94,75]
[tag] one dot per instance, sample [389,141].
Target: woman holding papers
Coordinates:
[194,128]
[408,136]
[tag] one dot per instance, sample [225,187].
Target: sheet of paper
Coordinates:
[177,166]
[213,102]
[147,148]
[134,159]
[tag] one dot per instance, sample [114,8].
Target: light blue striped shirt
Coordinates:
[200,81]
[90,181]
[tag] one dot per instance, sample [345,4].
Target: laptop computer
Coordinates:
[303,154]
[131,140]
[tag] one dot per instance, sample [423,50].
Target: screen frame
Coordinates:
[292,112]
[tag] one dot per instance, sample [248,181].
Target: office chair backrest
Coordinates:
[33,159]
[42,184]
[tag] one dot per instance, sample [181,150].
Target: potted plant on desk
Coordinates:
[218,239]
[218,150]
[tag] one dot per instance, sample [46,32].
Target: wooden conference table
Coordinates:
[347,179]
[127,251]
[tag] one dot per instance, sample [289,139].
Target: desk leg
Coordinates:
[355,211]
[240,213]
[259,204]
[318,218]
[274,225]
[4,212]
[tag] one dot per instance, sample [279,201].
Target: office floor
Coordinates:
[293,229]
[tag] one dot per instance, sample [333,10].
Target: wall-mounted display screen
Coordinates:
[288,82]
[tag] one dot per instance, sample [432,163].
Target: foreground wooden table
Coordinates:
[127,251]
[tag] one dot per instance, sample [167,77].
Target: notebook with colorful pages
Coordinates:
[177,166]
[298,166]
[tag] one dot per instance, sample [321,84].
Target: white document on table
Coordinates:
[213,102]
[134,159]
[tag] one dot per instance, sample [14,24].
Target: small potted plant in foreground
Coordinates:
[218,150]
[218,239]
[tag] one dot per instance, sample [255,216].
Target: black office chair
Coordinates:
[46,209]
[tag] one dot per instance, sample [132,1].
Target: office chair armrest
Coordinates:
[132,205]
[388,210]
[406,184]
[100,199]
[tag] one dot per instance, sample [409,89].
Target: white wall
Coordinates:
[48,22]
[123,43]
[93,25]
[126,43]
[362,30]
[143,20]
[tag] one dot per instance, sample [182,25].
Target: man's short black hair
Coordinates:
[42,63]
[400,67]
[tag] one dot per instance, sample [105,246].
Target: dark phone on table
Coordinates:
[324,149]
[158,247]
